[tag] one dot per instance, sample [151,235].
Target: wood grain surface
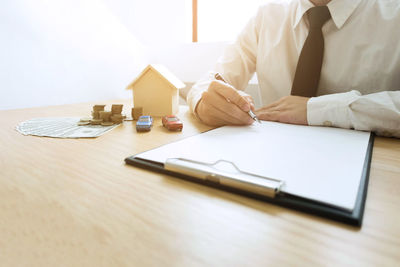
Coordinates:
[74,202]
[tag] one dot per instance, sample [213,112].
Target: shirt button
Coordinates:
[328,123]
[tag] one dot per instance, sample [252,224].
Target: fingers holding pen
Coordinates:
[231,94]
[210,115]
[221,104]
[218,106]
[249,99]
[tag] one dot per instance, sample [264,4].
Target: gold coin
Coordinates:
[96,121]
[98,107]
[85,119]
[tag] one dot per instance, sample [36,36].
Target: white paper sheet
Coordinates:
[319,163]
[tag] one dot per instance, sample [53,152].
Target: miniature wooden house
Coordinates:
[156,90]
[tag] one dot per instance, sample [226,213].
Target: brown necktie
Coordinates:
[308,69]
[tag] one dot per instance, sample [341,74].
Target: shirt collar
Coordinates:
[340,10]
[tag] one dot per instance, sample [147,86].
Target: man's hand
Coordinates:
[288,109]
[222,104]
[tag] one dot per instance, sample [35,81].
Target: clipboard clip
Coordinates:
[226,173]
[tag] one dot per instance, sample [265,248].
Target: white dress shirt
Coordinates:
[360,75]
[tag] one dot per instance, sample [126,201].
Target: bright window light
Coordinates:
[223,20]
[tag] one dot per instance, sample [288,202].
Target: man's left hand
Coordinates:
[288,109]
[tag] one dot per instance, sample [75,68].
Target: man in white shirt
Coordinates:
[360,75]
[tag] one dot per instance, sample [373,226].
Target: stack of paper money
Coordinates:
[101,122]
[61,128]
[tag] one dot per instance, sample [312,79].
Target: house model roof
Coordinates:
[163,72]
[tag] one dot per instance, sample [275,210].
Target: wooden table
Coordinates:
[74,202]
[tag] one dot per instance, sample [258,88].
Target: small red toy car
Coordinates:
[172,123]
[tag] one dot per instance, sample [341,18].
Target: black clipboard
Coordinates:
[353,217]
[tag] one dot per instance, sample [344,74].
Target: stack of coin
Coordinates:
[96,121]
[105,116]
[102,117]
[137,112]
[116,109]
[96,110]
[117,118]
[84,121]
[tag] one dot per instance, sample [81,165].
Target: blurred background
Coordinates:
[60,52]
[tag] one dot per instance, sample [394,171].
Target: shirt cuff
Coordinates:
[196,93]
[331,110]
[194,101]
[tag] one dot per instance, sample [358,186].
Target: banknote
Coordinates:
[61,127]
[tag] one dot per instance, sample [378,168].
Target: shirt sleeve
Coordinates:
[237,64]
[377,112]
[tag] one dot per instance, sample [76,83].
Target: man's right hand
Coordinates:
[222,104]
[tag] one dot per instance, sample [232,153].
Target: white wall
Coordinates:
[55,52]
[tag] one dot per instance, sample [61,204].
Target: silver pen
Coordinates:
[250,112]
